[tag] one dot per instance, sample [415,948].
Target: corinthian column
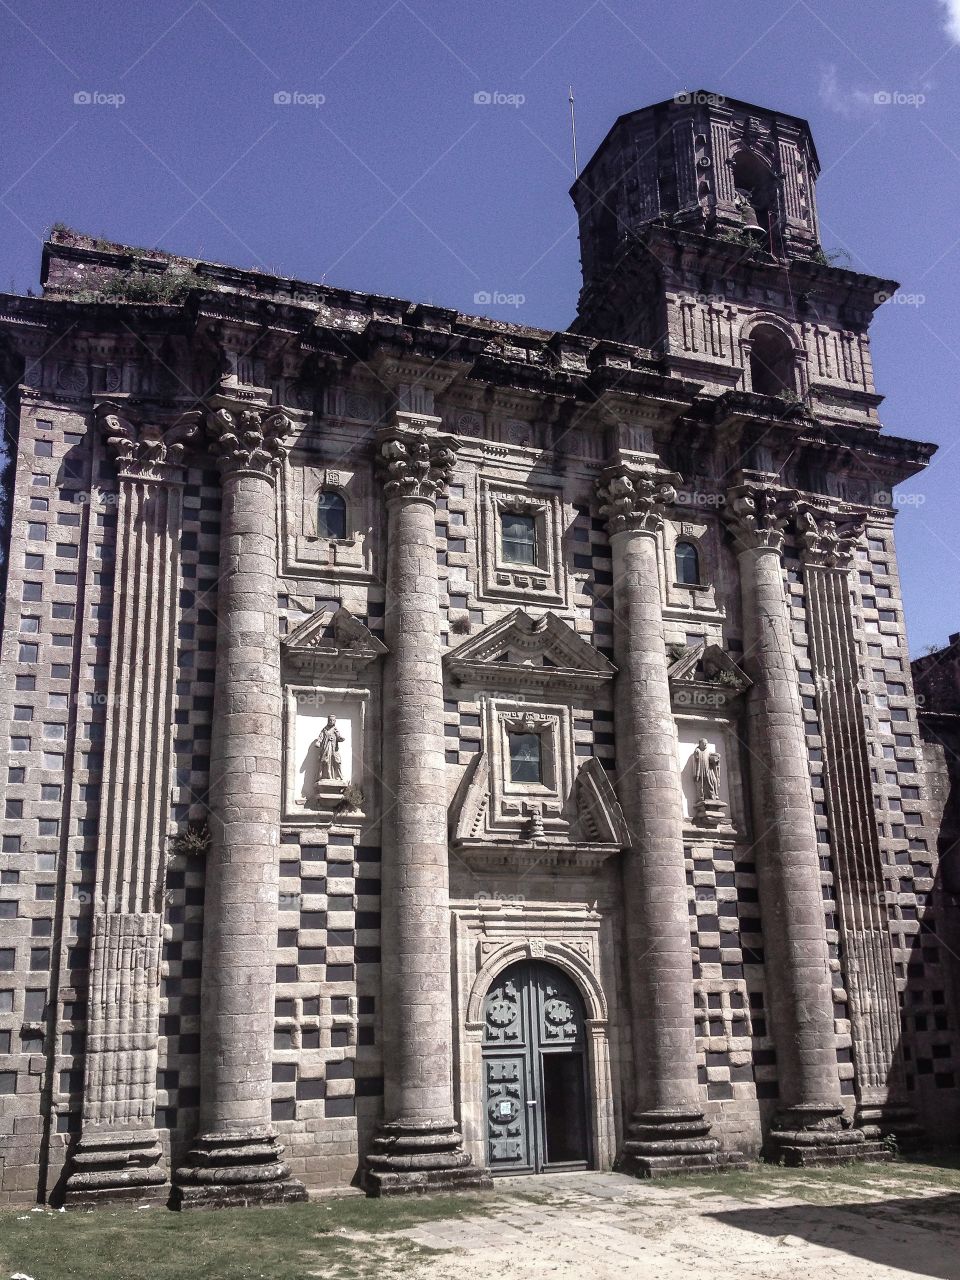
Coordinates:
[236,1159]
[118,1155]
[807,1128]
[419,1147]
[667,1131]
[866,955]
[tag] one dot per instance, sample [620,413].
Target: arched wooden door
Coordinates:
[535,1072]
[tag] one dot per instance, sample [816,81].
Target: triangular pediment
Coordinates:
[703,676]
[530,652]
[334,644]
[600,817]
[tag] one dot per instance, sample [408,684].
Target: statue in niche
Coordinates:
[706,771]
[329,768]
[708,810]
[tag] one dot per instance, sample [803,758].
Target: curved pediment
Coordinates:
[520,651]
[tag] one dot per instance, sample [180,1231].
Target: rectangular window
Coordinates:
[526,757]
[518,535]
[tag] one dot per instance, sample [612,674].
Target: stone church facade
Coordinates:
[440,747]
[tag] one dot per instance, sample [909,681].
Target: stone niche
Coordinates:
[725,814]
[312,792]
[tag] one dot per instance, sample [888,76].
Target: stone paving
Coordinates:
[609,1226]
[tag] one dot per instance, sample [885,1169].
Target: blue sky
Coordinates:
[383,173]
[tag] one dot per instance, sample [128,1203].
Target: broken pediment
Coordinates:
[479,837]
[704,677]
[520,651]
[330,644]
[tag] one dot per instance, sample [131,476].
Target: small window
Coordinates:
[688,563]
[519,538]
[331,515]
[526,757]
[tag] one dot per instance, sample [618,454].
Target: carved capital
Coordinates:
[246,439]
[634,500]
[415,464]
[757,516]
[145,451]
[827,544]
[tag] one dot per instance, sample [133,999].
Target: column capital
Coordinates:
[633,498]
[145,451]
[757,516]
[414,461]
[247,439]
[827,543]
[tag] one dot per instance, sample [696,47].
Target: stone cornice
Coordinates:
[413,460]
[633,499]
[757,515]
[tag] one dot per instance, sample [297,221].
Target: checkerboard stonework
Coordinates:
[363,661]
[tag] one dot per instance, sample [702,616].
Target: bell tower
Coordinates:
[699,240]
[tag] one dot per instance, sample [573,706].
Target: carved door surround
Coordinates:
[488,941]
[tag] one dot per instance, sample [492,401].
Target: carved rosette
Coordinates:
[757,516]
[633,500]
[246,439]
[146,451]
[414,464]
[827,544]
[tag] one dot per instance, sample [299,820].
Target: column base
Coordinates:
[811,1136]
[419,1159]
[235,1168]
[879,1119]
[671,1140]
[120,1167]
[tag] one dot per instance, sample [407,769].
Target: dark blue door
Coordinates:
[534,1071]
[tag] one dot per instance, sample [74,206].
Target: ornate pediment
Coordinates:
[519,651]
[704,678]
[593,830]
[327,644]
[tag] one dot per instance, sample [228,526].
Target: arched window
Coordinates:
[687,559]
[331,515]
[772,362]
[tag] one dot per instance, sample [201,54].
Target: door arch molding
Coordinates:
[565,958]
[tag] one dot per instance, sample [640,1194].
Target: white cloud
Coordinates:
[843,101]
[952,24]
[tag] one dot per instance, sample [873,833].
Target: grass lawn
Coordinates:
[349,1238]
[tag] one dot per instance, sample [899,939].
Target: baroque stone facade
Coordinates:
[438,748]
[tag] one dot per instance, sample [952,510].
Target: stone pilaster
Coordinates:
[419,1147]
[667,1130]
[866,950]
[118,1155]
[808,1127]
[236,1159]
